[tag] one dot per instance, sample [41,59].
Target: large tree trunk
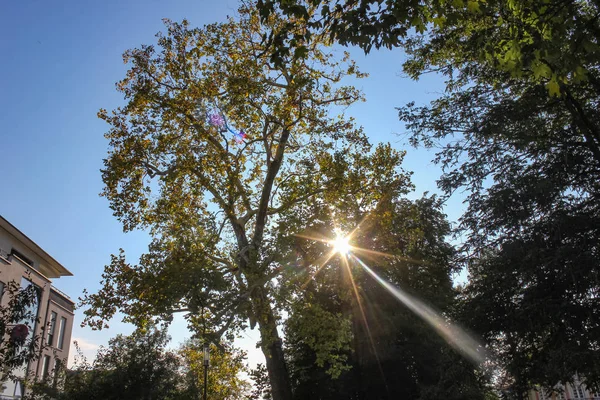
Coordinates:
[272,347]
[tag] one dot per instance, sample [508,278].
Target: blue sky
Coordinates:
[60,61]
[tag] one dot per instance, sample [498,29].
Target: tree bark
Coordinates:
[271,345]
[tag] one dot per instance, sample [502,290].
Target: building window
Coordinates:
[561,395]
[21,257]
[18,389]
[578,391]
[61,333]
[4,255]
[1,290]
[33,307]
[45,367]
[51,328]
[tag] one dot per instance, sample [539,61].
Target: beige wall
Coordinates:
[52,350]
[15,270]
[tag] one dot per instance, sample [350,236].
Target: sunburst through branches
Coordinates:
[341,245]
[452,333]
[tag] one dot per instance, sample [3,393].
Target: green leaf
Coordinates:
[541,70]
[553,87]
[473,6]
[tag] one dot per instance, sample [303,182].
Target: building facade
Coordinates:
[23,261]
[571,391]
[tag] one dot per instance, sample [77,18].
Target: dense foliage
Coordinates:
[217,204]
[141,367]
[553,40]
[518,129]
[526,147]
[362,343]
[227,364]
[532,221]
[130,367]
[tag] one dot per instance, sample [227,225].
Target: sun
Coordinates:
[341,245]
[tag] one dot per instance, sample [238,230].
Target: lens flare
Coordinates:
[364,317]
[341,245]
[454,335]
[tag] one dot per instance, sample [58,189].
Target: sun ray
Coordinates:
[321,265]
[357,227]
[348,238]
[364,318]
[317,239]
[368,252]
[328,240]
[452,333]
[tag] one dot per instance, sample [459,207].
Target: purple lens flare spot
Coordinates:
[216,120]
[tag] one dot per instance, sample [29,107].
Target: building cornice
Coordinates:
[53,266]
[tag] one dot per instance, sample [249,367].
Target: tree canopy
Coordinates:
[220,152]
[344,343]
[140,366]
[553,41]
[524,147]
[137,366]
[228,152]
[518,130]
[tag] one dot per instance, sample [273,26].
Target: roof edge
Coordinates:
[51,262]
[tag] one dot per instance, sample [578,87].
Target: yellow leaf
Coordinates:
[553,87]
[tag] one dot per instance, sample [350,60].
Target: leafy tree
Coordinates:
[18,309]
[226,365]
[140,366]
[214,202]
[332,354]
[526,151]
[365,23]
[552,41]
[131,367]
[518,129]
[261,389]
[528,159]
